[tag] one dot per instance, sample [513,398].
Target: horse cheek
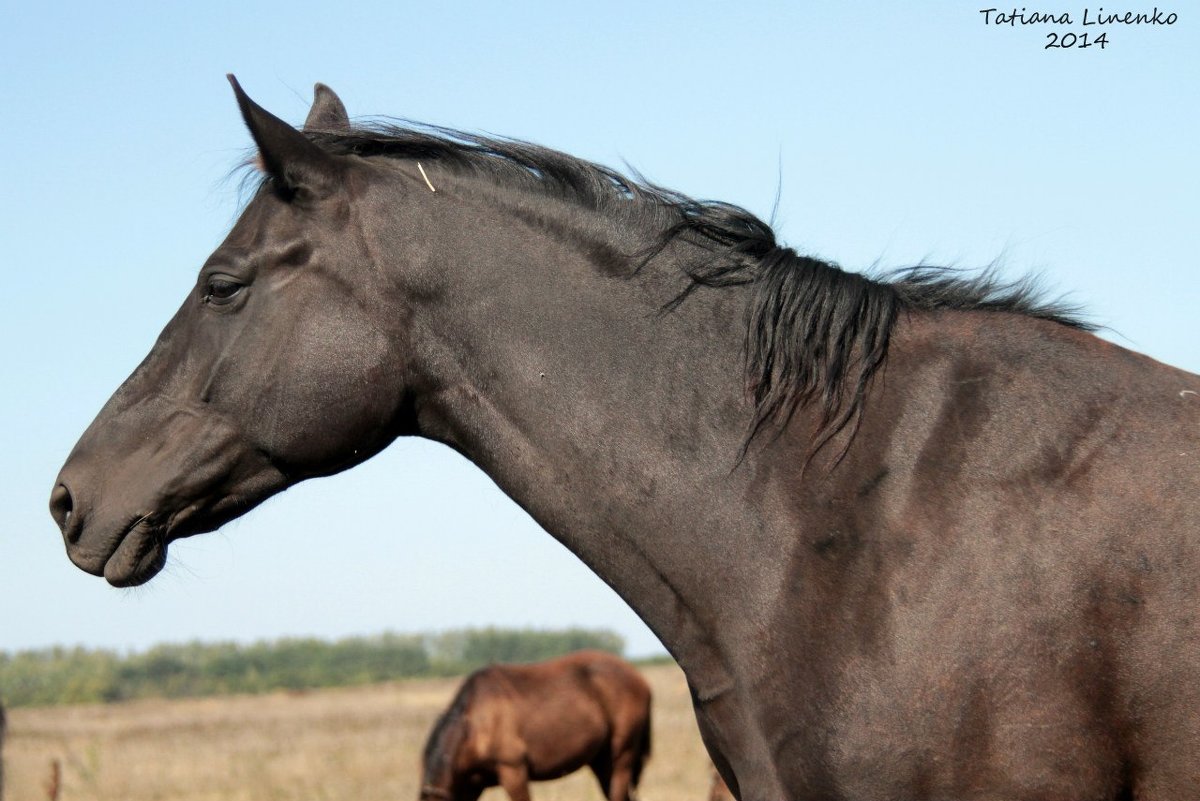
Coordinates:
[337,397]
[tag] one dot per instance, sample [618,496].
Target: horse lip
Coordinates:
[140,554]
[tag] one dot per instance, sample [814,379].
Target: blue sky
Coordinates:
[897,132]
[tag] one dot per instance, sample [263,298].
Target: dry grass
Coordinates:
[359,744]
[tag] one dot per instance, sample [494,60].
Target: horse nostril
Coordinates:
[61,507]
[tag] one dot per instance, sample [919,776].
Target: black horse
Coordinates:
[961,528]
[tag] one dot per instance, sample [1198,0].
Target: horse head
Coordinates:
[279,366]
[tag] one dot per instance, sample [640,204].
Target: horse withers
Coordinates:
[512,724]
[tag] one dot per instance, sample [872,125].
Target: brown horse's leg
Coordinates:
[621,788]
[602,767]
[515,781]
[620,784]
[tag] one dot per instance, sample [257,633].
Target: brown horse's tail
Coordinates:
[643,754]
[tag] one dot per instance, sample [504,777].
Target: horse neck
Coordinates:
[443,749]
[615,425]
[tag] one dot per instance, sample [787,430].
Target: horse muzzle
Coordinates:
[124,496]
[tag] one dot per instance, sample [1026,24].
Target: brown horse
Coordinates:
[720,790]
[510,724]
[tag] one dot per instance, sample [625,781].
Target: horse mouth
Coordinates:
[141,552]
[140,555]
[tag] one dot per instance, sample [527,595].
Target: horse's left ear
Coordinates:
[328,113]
[296,164]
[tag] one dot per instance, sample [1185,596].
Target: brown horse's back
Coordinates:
[566,712]
[512,724]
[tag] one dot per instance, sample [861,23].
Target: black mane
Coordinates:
[449,731]
[815,334]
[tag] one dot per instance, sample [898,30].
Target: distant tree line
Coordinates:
[81,675]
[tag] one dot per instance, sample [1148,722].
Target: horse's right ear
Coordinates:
[328,113]
[297,164]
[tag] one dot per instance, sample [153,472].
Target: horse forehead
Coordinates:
[262,228]
[266,219]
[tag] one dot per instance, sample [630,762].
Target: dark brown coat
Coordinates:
[512,724]
[963,540]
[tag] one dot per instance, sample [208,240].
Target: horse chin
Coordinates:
[139,557]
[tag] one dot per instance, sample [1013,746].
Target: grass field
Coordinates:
[358,744]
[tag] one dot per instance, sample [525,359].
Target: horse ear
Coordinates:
[328,112]
[287,154]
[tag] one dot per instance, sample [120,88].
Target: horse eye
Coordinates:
[221,290]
